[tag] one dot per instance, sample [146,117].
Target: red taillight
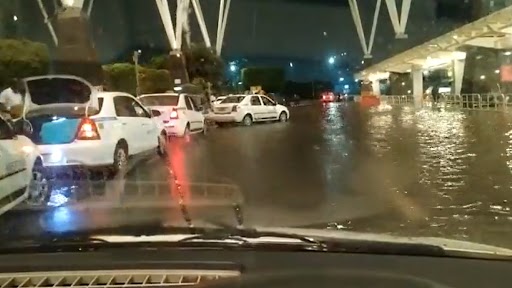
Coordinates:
[87,130]
[234,109]
[174,114]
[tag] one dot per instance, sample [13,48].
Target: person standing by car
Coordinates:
[12,98]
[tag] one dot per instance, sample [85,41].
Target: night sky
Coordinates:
[281,28]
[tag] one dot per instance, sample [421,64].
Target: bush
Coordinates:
[121,77]
[22,58]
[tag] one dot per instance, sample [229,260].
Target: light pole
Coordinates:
[136,55]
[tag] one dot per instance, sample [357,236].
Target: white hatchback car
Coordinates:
[179,113]
[247,109]
[75,125]
[22,174]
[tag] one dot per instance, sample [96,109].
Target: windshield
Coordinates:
[160,100]
[413,137]
[232,99]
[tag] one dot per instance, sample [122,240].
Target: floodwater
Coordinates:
[391,169]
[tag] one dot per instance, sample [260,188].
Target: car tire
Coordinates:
[39,188]
[120,163]
[161,150]
[186,131]
[247,120]
[283,117]
[205,129]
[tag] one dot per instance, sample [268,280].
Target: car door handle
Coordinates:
[145,124]
[124,123]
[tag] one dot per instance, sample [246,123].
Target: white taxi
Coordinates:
[75,125]
[179,113]
[247,109]
[22,175]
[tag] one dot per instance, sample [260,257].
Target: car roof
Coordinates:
[113,93]
[161,94]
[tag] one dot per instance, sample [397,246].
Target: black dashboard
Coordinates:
[278,269]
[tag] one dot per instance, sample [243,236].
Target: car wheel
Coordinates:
[39,189]
[247,121]
[162,145]
[283,117]
[186,132]
[120,159]
[205,128]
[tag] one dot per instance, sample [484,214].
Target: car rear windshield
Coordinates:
[160,100]
[233,99]
[58,90]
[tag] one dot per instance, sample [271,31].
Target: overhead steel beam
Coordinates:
[202,24]
[89,8]
[48,22]
[399,24]
[165,15]
[224,21]
[354,9]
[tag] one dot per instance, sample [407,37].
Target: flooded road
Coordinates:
[389,170]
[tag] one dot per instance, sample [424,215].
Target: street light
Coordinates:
[232,67]
[331,60]
[342,79]
[291,65]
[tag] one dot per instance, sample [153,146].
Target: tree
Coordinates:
[22,58]
[271,79]
[203,62]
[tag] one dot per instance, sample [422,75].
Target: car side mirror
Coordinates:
[155,113]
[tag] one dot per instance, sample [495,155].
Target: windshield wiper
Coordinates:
[243,235]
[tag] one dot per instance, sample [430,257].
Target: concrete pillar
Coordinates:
[76,53]
[458,75]
[417,85]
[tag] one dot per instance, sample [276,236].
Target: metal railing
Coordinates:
[397,99]
[475,101]
[487,101]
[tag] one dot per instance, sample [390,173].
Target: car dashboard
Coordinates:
[162,267]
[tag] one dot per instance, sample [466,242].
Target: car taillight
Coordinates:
[174,114]
[87,130]
[234,109]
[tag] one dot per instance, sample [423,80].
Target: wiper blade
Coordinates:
[243,235]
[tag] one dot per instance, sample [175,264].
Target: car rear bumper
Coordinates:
[175,128]
[90,154]
[224,118]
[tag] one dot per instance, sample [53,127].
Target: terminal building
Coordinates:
[474,58]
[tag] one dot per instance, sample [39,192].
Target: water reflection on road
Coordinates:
[387,170]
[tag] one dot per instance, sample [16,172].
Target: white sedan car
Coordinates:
[75,125]
[22,175]
[179,113]
[247,109]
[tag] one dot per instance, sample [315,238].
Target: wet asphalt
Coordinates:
[392,169]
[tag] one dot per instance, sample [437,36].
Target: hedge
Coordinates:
[121,77]
[22,58]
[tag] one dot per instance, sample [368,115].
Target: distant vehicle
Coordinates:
[219,99]
[329,97]
[179,113]
[246,109]
[22,175]
[74,125]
